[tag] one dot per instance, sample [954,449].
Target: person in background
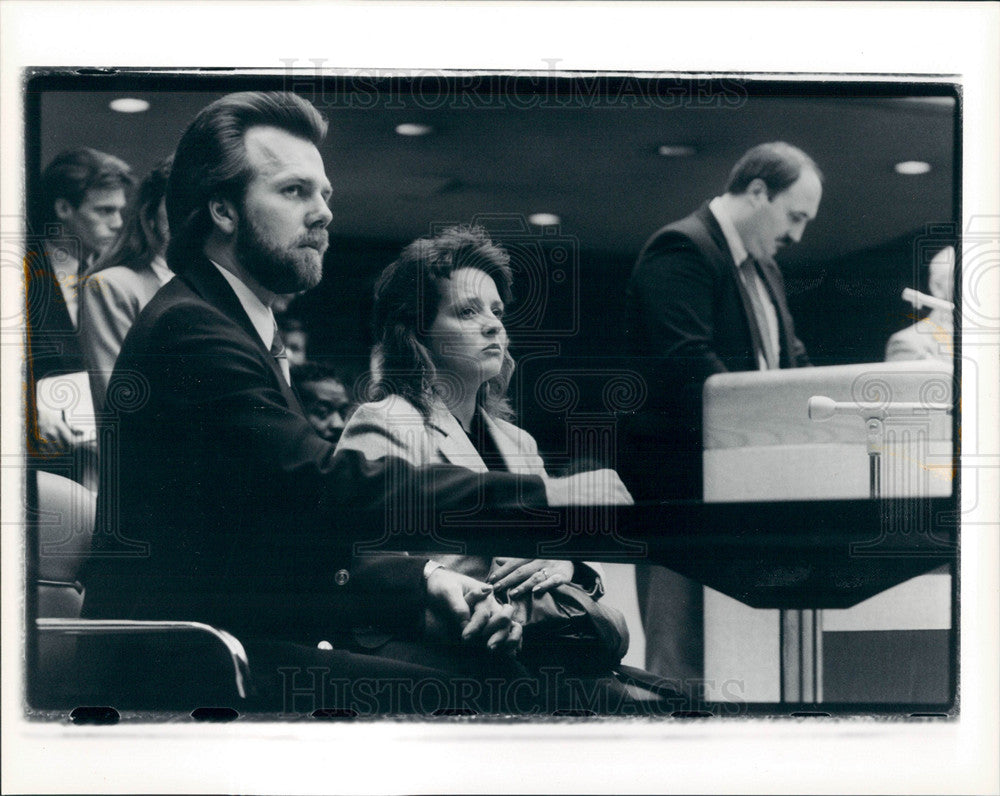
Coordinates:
[294,336]
[931,337]
[124,279]
[706,296]
[324,398]
[75,217]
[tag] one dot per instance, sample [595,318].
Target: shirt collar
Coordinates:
[161,270]
[61,259]
[260,314]
[736,248]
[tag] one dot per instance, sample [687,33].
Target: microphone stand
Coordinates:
[875,438]
[822,408]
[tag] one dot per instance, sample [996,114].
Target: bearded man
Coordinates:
[218,501]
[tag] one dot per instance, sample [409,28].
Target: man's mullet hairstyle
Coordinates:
[211,161]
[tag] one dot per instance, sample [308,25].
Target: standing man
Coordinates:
[218,501]
[706,297]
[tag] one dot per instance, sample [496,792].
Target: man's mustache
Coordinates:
[318,240]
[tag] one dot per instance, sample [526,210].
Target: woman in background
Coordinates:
[440,369]
[124,279]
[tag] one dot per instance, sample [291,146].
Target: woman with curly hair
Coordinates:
[440,372]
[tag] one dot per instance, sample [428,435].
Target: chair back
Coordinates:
[65,523]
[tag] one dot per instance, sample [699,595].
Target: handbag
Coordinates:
[567,627]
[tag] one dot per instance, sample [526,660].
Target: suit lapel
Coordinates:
[54,341]
[715,235]
[205,279]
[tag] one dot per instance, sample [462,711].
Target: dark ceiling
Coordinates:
[594,165]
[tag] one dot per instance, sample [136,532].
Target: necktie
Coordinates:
[751,280]
[279,353]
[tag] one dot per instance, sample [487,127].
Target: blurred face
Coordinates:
[326,404]
[780,221]
[295,346]
[96,220]
[942,274]
[467,338]
[281,236]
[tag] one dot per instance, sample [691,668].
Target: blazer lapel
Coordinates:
[205,279]
[150,282]
[453,443]
[509,448]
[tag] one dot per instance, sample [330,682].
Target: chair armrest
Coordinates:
[125,627]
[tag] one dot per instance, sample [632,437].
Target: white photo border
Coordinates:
[928,40]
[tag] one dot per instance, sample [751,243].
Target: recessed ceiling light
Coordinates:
[409,128]
[910,167]
[544,219]
[676,150]
[129,105]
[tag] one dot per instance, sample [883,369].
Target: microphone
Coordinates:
[918,299]
[822,408]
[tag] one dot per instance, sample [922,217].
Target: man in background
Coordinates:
[324,398]
[75,218]
[706,296]
[295,337]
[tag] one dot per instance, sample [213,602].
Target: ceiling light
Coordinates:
[544,219]
[677,150]
[413,129]
[910,167]
[129,105]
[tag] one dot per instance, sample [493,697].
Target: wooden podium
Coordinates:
[761,445]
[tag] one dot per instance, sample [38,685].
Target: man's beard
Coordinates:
[289,269]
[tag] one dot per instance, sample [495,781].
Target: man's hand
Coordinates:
[595,488]
[458,600]
[519,576]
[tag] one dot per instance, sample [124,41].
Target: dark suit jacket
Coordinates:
[686,319]
[53,345]
[219,502]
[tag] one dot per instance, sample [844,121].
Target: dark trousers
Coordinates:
[672,610]
[661,459]
[407,677]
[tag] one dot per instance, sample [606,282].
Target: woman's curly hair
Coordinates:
[407,298]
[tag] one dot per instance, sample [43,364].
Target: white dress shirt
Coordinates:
[260,314]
